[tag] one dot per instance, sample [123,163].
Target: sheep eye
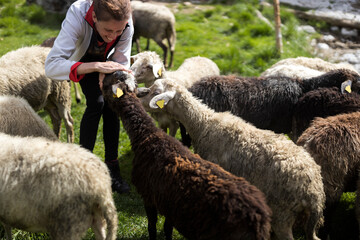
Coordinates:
[157,92]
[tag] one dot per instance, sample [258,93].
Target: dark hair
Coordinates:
[106,10]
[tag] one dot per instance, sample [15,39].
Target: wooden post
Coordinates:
[278,26]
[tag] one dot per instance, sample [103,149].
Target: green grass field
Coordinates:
[230,35]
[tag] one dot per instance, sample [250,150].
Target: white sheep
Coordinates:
[54,187]
[156,22]
[49,42]
[22,73]
[18,118]
[303,67]
[285,172]
[147,67]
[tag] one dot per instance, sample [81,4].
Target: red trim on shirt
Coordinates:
[88,16]
[73,73]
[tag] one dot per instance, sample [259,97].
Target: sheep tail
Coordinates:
[110,214]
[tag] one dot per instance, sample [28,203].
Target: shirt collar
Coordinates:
[88,16]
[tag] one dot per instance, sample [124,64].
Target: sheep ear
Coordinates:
[133,59]
[157,70]
[161,100]
[346,86]
[117,92]
[142,92]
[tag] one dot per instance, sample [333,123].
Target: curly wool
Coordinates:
[303,67]
[286,173]
[156,22]
[22,73]
[268,103]
[18,118]
[190,71]
[54,187]
[198,198]
[334,143]
[322,102]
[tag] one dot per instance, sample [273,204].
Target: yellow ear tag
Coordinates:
[119,93]
[160,103]
[160,72]
[348,88]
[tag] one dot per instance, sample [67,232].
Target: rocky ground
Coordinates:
[339,44]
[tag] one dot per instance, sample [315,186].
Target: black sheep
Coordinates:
[198,198]
[322,102]
[266,102]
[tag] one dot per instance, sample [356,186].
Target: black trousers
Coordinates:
[96,107]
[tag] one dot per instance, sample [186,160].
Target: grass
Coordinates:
[229,34]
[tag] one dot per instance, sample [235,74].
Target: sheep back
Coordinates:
[21,77]
[18,118]
[303,67]
[322,102]
[53,187]
[152,20]
[334,143]
[266,104]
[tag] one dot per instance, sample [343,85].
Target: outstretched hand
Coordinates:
[109,67]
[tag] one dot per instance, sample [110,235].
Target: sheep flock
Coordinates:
[261,157]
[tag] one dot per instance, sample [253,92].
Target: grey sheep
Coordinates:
[285,172]
[49,42]
[18,118]
[200,199]
[303,67]
[54,187]
[266,102]
[22,73]
[157,22]
[334,143]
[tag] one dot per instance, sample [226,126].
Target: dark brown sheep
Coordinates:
[322,102]
[334,143]
[266,102]
[198,198]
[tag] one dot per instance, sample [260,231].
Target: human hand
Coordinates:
[110,67]
[101,79]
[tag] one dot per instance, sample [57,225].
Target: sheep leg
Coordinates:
[148,44]
[137,41]
[357,204]
[151,214]
[99,225]
[55,119]
[311,226]
[168,229]
[60,112]
[8,233]
[185,137]
[164,48]
[324,231]
[173,128]
[77,93]
[171,52]
[283,232]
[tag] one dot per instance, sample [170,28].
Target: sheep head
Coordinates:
[158,95]
[147,67]
[116,83]
[351,82]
